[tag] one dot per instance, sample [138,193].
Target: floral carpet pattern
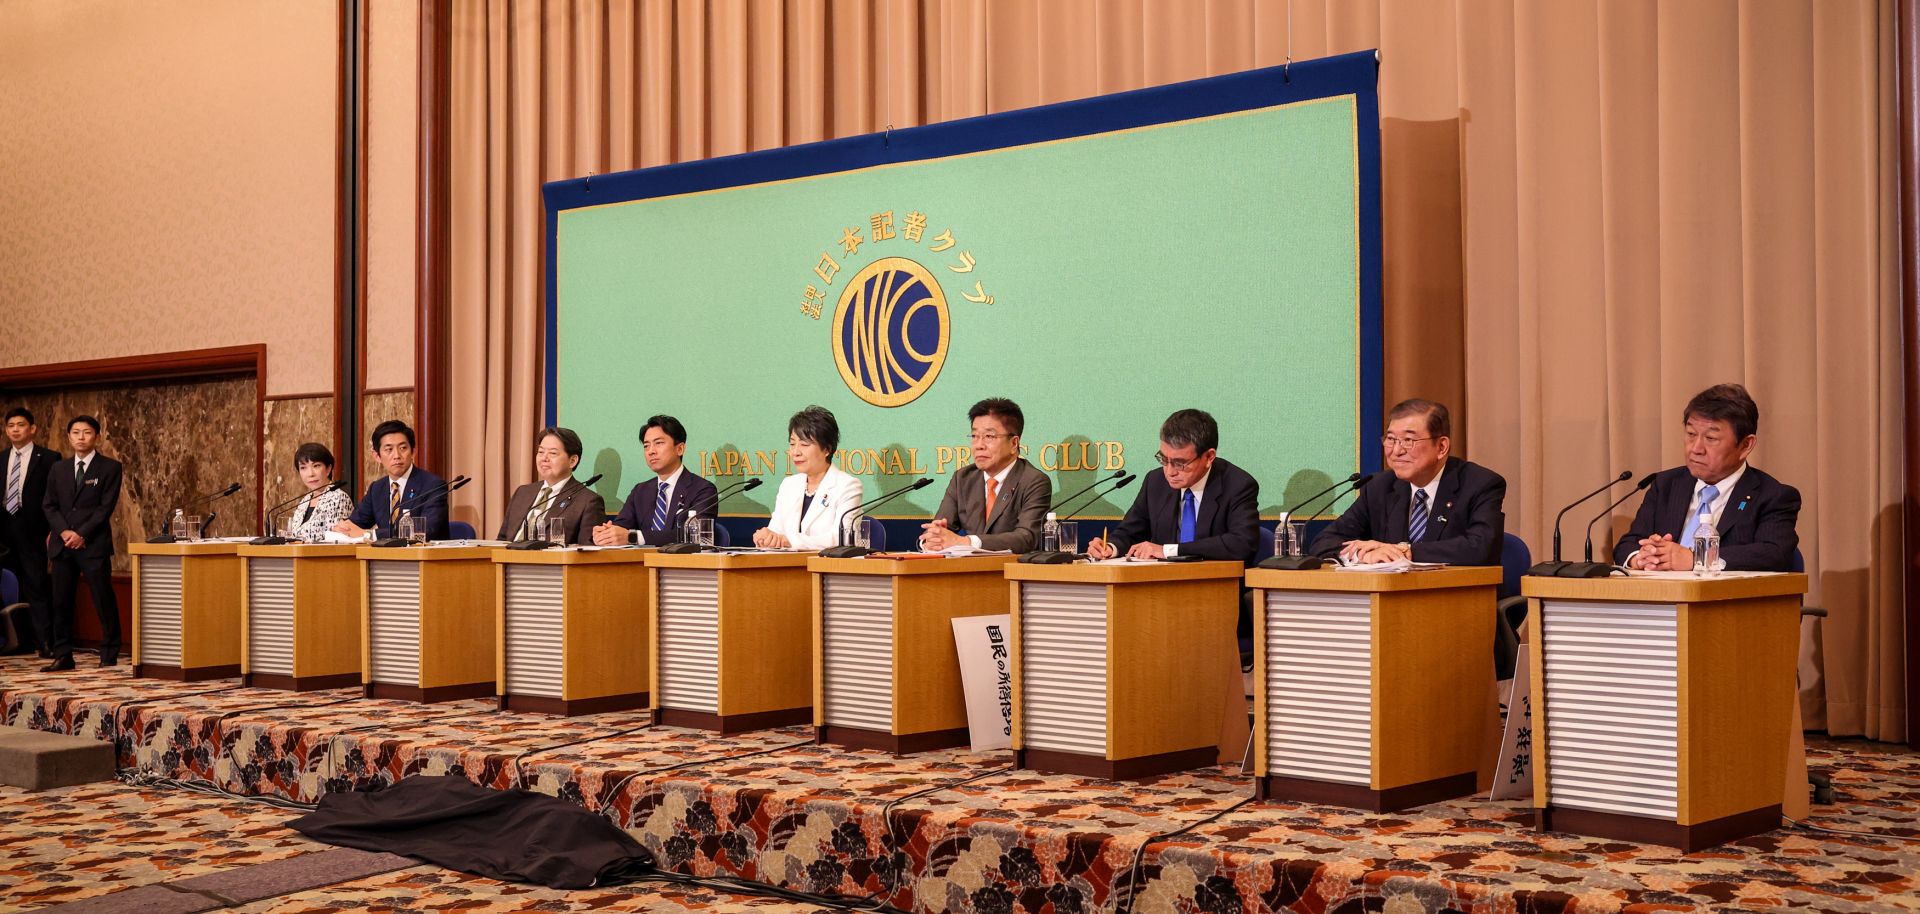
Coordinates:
[775,808]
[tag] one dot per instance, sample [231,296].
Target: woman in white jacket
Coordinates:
[811,501]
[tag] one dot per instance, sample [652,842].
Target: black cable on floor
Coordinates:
[1139,856]
[520,775]
[889,846]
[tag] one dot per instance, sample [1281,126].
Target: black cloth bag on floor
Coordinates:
[510,835]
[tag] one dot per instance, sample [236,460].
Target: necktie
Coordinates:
[993,489]
[393,500]
[539,511]
[660,507]
[1702,513]
[1417,524]
[14,478]
[79,475]
[1186,516]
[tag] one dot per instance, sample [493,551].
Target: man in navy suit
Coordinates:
[405,487]
[23,518]
[82,494]
[1198,504]
[1754,513]
[1432,507]
[655,509]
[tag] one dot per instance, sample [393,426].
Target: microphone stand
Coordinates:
[1304,562]
[166,537]
[1058,557]
[845,551]
[441,490]
[565,491]
[1555,567]
[1591,568]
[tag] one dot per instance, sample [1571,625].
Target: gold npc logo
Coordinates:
[890,332]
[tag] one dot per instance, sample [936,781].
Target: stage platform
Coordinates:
[830,820]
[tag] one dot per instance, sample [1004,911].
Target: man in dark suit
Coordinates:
[1431,507]
[1754,513]
[555,497]
[82,494]
[656,509]
[23,517]
[999,501]
[1198,504]
[406,488]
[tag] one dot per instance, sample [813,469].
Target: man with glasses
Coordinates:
[1000,500]
[1432,507]
[1754,513]
[1198,504]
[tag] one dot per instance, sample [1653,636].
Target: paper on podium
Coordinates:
[335,537]
[1392,567]
[1698,575]
[969,550]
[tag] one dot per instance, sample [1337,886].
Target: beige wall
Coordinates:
[393,127]
[167,175]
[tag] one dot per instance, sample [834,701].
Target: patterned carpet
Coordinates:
[819,819]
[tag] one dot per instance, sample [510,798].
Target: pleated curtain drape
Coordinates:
[1592,209]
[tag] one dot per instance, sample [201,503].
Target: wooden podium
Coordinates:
[427,622]
[572,630]
[1371,690]
[186,610]
[1117,667]
[1662,705]
[885,672]
[301,628]
[732,648]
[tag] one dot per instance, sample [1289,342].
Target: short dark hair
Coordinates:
[1729,403]
[569,440]
[1191,426]
[816,424]
[667,424]
[89,420]
[391,427]
[1003,409]
[313,452]
[22,412]
[1439,421]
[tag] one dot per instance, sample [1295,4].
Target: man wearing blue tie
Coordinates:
[655,509]
[1754,513]
[404,489]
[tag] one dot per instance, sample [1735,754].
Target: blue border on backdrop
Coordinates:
[1348,74]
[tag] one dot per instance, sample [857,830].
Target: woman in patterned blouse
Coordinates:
[324,505]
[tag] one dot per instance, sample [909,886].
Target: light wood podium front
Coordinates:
[1371,690]
[1117,667]
[572,630]
[732,649]
[885,671]
[1662,706]
[186,610]
[427,622]
[301,628]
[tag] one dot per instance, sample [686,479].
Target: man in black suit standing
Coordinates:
[655,509]
[82,494]
[23,516]
[1754,513]
[1432,507]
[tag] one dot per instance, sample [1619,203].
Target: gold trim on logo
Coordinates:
[872,348]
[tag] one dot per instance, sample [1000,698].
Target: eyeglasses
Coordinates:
[987,437]
[1399,444]
[1176,464]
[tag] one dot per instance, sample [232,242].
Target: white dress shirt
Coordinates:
[819,528]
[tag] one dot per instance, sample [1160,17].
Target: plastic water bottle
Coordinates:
[1706,548]
[1050,534]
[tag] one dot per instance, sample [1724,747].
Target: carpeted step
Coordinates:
[42,761]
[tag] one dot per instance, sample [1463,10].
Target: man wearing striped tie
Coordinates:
[655,509]
[1431,507]
[23,522]
[1754,513]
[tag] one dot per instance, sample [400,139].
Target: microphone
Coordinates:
[414,501]
[1591,568]
[687,514]
[1062,503]
[1553,568]
[1305,562]
[275,540]
[165,537]
[1057,557]
[844,551]
[564,496]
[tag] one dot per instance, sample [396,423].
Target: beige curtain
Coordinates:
[1593,208]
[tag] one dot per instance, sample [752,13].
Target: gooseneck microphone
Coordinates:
[563,496]
[844,551]
[1554,567]
[1057,557]
[415,501]
[273,539]
[687,514]
[1304,562]
[1062,503]
[1591,568]
[165,536]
